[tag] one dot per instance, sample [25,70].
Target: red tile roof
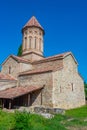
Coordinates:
[55,57]
[33,22]
[15,92]
[6,77]
[36,71]
[44,70]
[51,58]
[18,59]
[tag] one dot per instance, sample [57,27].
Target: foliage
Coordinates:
[85,85]
[76,118]
[21,120]
[7,121]
[26,121]
[40,123]
[19,50]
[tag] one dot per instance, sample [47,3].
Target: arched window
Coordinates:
[35,32]
[39,33]
[72,86]
[35,42]
[9,69]
[25,43]
[60,89]
[40,44]
[30,38]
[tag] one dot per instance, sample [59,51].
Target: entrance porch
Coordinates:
[20,96]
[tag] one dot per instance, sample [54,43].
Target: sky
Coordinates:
[64,22]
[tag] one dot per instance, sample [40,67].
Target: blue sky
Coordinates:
[64,22]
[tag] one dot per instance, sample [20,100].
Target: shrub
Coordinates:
[85,85]
[21,120]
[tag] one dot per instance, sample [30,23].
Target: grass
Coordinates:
[73,119]
[6,120]
[78,112]
[77,117]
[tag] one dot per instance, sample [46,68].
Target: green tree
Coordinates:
[85,85]
[19,50]
[21,120]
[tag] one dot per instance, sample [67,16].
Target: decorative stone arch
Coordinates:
[40,44]
[25,43]
[35,42]
[30,42]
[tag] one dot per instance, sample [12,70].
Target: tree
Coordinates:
[85,85]
[19,50]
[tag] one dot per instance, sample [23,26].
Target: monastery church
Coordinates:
[32,79]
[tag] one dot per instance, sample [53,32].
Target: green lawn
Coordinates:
[75,119]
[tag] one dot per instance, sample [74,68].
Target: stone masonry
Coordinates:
[51,82]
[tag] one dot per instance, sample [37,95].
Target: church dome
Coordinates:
[33,22]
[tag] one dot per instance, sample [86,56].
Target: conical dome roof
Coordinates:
[33,22]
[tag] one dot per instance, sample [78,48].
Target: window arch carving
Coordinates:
[30,41]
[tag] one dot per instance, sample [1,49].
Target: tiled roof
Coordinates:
[36,71]
[55,57]
[6,77]
[33,22]
[18,59]
[46,69]
[15,92]
[51,58]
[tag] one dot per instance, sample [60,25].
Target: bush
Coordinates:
[85,85]
[21,120]
[6,120]
[26,121]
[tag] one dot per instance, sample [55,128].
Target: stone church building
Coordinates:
[33,79]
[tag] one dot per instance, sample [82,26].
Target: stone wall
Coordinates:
[14,67]
[32,56]
[63,87]
[32,40]
[35,98]
[32,43]
[25,67]
[54,64]
[44,79]
[4,84]
[68,86]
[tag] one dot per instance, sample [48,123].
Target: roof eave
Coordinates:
[24,74]
[70,53]
[25,27]
[7,59]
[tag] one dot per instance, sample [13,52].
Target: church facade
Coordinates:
[32,79]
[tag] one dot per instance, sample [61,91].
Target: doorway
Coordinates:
[6,103]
